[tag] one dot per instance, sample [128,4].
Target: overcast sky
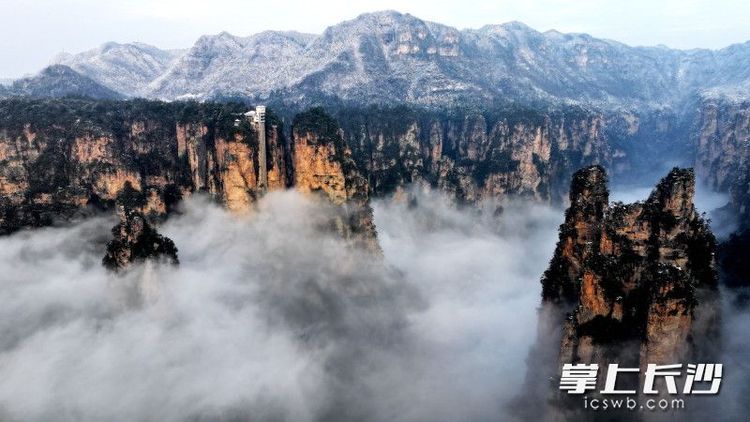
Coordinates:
[32,32]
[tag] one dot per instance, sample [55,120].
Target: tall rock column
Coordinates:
[136,241]
[628,277]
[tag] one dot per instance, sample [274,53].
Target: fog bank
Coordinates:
[269,317]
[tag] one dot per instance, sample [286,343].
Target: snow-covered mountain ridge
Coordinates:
[389,57]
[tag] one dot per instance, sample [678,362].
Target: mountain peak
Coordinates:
[377,22]
[222,37]
[518,26]
[383,15]
[225,35]
[109,46]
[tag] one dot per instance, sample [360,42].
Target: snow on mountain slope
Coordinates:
[394,57]
[126,68]
[59,81]
[227,64]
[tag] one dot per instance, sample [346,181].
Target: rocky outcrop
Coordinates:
[629,278]
[136,241]
[323,164]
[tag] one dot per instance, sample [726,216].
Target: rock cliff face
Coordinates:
[630,277]
[136,241]
[723,159]
[722,147]
[505,151]
[323,164]
[63,158]
[227,167]
[474,156]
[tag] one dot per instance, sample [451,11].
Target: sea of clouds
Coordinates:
[269,317]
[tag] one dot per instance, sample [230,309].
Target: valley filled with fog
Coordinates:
[267,316]
[270,317]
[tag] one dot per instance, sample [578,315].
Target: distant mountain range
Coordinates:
[389,57]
